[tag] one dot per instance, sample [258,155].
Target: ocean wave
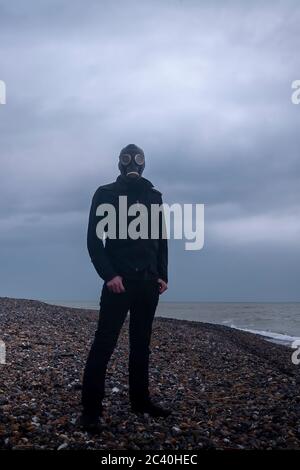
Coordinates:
[271,335]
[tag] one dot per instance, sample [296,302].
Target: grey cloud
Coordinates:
[204,88]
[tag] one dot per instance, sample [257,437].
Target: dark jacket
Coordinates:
[132,259]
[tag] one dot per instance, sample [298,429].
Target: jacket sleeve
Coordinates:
[163,250]
[95,245]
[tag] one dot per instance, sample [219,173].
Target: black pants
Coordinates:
[141,298]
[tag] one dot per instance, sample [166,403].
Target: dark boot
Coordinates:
[152,409]
[90,423]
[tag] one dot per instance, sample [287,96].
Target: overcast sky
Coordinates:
[203,87]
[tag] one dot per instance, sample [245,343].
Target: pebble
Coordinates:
[226,388]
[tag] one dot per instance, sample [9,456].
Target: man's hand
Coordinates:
[163,286]
[116,285]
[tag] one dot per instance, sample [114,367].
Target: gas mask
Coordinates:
[131,162]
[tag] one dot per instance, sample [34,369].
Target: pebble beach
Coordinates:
[227,389]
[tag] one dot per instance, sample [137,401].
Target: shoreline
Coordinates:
[270,335]
[228,388]
[278,336]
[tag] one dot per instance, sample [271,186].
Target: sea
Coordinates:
[276,322]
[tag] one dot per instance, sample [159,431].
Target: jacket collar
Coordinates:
[141,184]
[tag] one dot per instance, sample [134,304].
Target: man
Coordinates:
[134,271]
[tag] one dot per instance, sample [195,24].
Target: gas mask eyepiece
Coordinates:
[126,158]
